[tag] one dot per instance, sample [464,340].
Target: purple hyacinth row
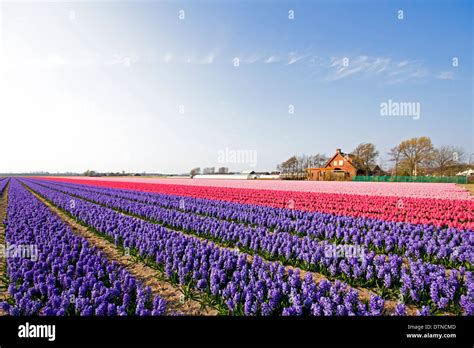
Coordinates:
[226,277]
[447,246]
[370,270]
[3,184]
[65,276]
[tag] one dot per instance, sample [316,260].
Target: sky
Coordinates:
[166,86]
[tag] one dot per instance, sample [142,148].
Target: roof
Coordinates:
[347,156]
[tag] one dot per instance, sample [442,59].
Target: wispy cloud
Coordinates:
[123,59]
[294,57]
[251,58]
[209,59]
[272,59]
[403,63]
[366,66]
[445,75]
[340,68]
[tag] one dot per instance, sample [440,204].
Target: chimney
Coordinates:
[338,150]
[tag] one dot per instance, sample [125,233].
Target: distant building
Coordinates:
[469,172]
[376,171]
[209,170]
[245,175]
[222,176]
[341,166]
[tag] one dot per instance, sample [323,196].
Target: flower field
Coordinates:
[242,250]
[395,189]
[68,276]
[417,210]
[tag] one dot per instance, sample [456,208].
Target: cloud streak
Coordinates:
[294,57]
[445,75]
[364,66]
[209,59]
[272,59]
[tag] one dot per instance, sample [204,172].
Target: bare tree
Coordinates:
[195,171]
[289,167]
[318,160]
[90,173]
[394,155]
[445,157]
[295,167]
[365,156]
[292,165]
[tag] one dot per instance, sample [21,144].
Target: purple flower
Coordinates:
[202,284]
[425,311]
[400,309]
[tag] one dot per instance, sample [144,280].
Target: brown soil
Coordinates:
[3,260]
[145,274]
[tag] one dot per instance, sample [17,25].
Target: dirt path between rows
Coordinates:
[3,259]
[143,273]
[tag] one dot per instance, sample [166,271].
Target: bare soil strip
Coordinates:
[364,293]
[143,273]
[3,259]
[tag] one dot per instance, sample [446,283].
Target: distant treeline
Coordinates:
[412,157]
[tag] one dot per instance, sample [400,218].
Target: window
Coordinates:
[341,162]
[335,163]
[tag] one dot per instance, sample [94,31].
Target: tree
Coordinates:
[289,167]
[295,166]
[445,157]
[416,153]
[90,173]
[365,156]
[195,171]
[292,164]
[318,160]
[394,155]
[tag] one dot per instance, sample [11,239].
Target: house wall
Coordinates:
[338,162]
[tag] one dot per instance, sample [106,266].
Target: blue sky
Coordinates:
[130,86]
